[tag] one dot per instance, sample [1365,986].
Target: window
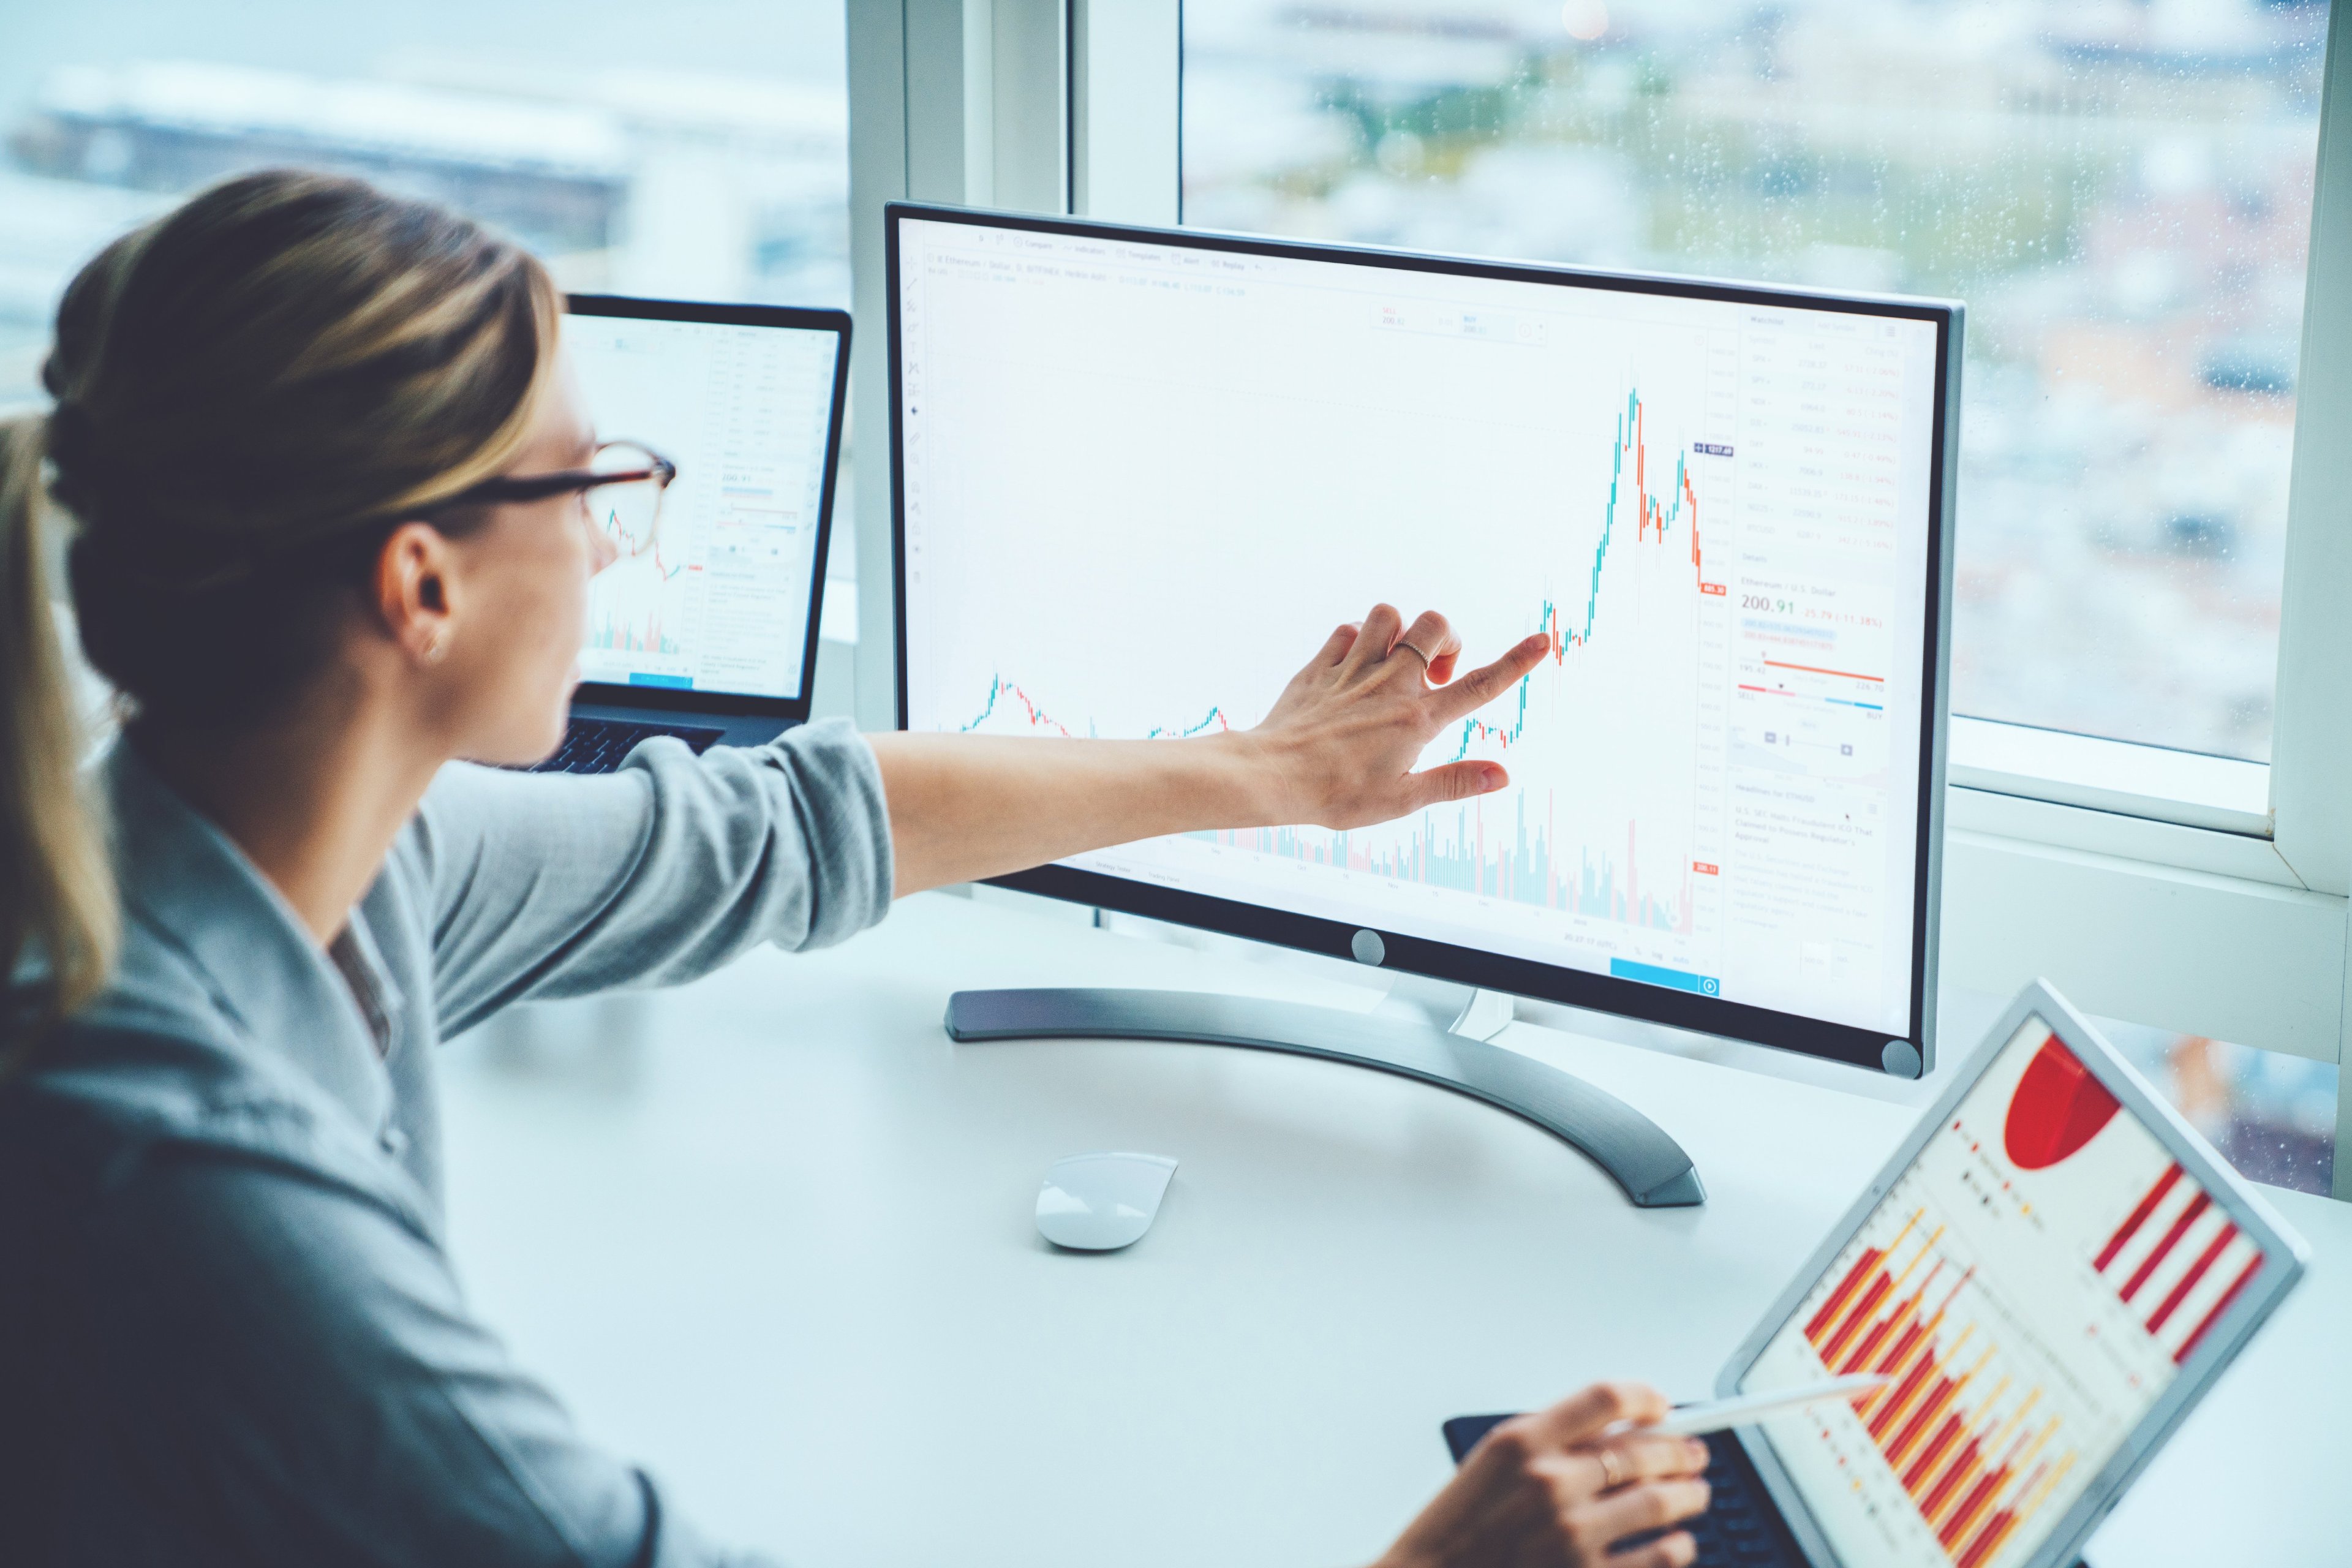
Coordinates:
[2271,1116]
[701,153]
[2121,191]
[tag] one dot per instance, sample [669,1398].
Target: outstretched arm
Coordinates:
[1337,750]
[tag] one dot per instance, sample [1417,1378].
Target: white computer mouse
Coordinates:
[1100,1203]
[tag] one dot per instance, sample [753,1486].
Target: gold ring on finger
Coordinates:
[1611,1475]
[1401,642]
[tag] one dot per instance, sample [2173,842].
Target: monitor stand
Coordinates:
[1425,1029]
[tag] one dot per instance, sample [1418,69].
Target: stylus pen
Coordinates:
[1721,1414]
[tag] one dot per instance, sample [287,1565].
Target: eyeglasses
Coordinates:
[623,486]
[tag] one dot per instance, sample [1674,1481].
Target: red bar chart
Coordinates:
[2178,1262]
[1967,1437]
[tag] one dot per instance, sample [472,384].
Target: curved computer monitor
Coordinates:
[1140,474]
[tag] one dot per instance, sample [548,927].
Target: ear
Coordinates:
[414,590]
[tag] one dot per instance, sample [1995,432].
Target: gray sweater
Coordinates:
[229,1331]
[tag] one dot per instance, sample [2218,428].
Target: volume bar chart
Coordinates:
[1453,849]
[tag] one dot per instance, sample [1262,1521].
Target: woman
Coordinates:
[327,465]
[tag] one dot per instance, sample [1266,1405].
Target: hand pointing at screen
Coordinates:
[1337,750]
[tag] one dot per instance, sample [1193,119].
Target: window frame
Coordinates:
[2193,893]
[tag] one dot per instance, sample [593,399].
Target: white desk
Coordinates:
[771,1235]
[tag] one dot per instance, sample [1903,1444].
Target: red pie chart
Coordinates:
[2057,1108]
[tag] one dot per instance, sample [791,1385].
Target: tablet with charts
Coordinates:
[2051,1272]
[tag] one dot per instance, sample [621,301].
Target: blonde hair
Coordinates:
[249,393]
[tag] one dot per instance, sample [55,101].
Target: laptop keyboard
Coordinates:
[597,745]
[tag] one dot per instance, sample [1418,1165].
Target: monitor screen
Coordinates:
[2033,1283]
[1143,473]
[721,603]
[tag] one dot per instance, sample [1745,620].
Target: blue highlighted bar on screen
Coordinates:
[1673,979]
[676,682]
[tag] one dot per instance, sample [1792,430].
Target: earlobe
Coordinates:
[413,595]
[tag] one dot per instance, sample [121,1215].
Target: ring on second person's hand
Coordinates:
[1401,642]
[1611,1477]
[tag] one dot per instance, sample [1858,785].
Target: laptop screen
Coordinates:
[721,603]
[2033,1283]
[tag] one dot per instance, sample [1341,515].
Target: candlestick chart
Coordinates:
[1611,842]
[637,604]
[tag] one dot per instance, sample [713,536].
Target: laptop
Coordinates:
[712,635]
[2052,1269]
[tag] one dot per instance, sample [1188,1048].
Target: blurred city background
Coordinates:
[699,149]
[2120,189]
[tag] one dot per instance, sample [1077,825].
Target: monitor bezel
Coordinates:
[792,709]
[1874,1049]
[2284,1258]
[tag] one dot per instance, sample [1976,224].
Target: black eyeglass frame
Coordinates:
[538,486]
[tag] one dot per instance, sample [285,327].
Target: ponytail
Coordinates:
[58,922]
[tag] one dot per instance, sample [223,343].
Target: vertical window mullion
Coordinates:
[879,157]
[1126,85]
[2311,766]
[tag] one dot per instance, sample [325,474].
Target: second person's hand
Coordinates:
[1561,1488]
[1342,739]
